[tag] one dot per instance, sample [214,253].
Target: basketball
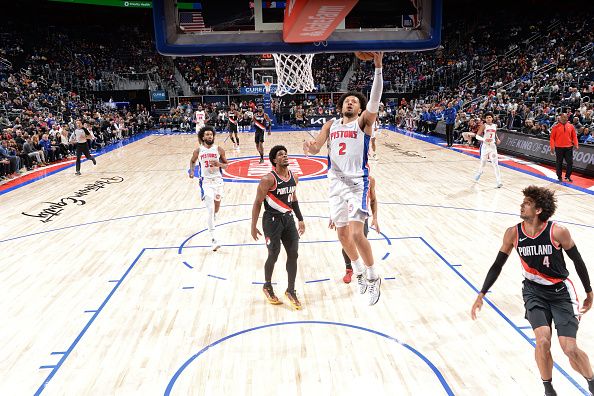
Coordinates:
[364,56]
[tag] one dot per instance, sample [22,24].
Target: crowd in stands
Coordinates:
[524,71]
[225,75]
[38,108]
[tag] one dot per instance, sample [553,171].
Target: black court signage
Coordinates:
[538,149]
[56,208]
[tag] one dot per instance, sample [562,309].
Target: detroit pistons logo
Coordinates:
[250,170]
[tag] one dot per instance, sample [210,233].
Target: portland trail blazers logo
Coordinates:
[250,170]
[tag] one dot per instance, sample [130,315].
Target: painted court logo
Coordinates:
[249,169]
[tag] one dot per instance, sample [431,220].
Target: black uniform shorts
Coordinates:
[279,228]
[259,136]
[545,304]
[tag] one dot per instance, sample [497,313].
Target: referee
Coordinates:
[80,137]
[277,191]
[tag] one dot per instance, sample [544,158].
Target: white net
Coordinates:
[294,73]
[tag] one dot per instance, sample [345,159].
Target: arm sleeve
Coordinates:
[494,271]
[376,91]
[297,210]
[580,267]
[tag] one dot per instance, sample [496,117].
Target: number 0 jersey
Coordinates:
[542,259]
[348,146]
[279,199]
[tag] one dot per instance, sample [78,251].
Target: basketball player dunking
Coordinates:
[487,133]
[233,117]
[277,191]
[211,162]
[261,123]
[199,118]
[549,295]
[348,173]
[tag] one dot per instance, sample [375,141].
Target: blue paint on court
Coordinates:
[217,277]
[230,206]
[453,268]
[434,369]
[118,283]
[85,328]
[508,320]
[318,280]
[187,265]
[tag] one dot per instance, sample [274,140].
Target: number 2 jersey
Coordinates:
[348,146]
[542,259]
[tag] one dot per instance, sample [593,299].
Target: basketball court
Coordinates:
[122,295]
[109,285]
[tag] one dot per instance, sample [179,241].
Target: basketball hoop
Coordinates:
[294,73]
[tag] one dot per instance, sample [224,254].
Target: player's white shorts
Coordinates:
[212,188]
[349,199]
[199,125]
[488,150]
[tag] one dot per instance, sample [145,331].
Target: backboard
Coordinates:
[229,27]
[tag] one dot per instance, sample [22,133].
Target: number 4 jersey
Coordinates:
[542,258]
[348,146]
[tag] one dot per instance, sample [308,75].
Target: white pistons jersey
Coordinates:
[348,146]
[207,157]
[490,133]
[200,117]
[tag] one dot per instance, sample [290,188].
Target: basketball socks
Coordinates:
[549,390]
[371,275]
[357,267]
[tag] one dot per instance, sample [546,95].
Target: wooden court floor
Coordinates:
[121,295]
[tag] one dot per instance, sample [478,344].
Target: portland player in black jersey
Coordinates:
[277,191]
[261,123]
[549,295]
[233,117]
